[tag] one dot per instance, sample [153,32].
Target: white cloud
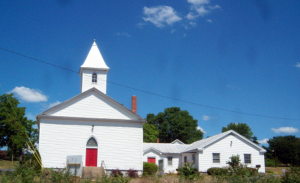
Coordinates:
[214,7]
[199,128]
[29,95]
[54,104]
[198,2]
[297,65]
[200,8]
[184,35]
[123,34]
[173,30]
[210,21]
[263,141]
[161,15]
[285,130]
[206,118]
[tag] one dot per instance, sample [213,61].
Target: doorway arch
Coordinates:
[91,152]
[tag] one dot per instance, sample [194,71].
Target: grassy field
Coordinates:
[4,164]
[277,170]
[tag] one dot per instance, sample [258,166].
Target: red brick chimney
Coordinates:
[133,104]
[157,141]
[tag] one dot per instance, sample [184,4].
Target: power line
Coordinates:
[151,93]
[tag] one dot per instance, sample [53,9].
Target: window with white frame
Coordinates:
[216,157]
[185,159]
[247,158]
[194,157]
[94,78]
[170,159]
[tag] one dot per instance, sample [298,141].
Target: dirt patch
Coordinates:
[277,170]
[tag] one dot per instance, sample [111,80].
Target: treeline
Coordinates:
[283,150]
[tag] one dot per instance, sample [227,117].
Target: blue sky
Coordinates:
[235,55]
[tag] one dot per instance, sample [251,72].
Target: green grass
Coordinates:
[5,164]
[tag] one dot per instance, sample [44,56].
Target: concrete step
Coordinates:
[93,172]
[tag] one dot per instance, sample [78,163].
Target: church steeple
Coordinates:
[94,71]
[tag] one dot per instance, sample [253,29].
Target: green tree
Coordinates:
[15,127]
[150,133]
[241,128]
[287,149]
[254,139]
[174,124]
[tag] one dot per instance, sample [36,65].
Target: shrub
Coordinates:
[217,171]
[149,168]
[132,173]
[234,161]
[270,162]
[188,170]
[116,173]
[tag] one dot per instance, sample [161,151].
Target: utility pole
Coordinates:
[275,158]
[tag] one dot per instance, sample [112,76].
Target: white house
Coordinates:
[210,152]
[92,124]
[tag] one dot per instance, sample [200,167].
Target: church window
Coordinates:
[92,142]
[94,78]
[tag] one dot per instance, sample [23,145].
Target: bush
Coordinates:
[116,173]
[217,171]
[234,161]
[132,173]
[270,162]
[292,176]
[188,170]
[149,168]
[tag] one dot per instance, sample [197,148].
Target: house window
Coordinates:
[185,159]
[193,157]
[247,158]
[170,161]
[216,157]
[94,78]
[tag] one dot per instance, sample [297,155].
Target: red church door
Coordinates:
[91,157]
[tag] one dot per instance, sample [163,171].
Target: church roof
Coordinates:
[94,60]
[99,115]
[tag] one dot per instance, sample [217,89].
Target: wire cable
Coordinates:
[159,95]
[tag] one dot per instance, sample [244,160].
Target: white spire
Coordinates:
[94,71]
[94,60]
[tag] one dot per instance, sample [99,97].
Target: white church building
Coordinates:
[104,132]
[92,125]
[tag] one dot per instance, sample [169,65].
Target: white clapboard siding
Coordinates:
[92,105]
[87,80]
[176,159]
[119,144]
[226,150]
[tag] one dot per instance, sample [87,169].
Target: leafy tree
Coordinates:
[241,128]
[254,139]
[174,124]
[287,149]
[150,133]
[14,126]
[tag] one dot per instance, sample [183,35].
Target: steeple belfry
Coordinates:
[94,71]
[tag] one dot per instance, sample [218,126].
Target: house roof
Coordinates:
[177,141]
[120,106]
[164,147]
[94,60]
[196,146]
